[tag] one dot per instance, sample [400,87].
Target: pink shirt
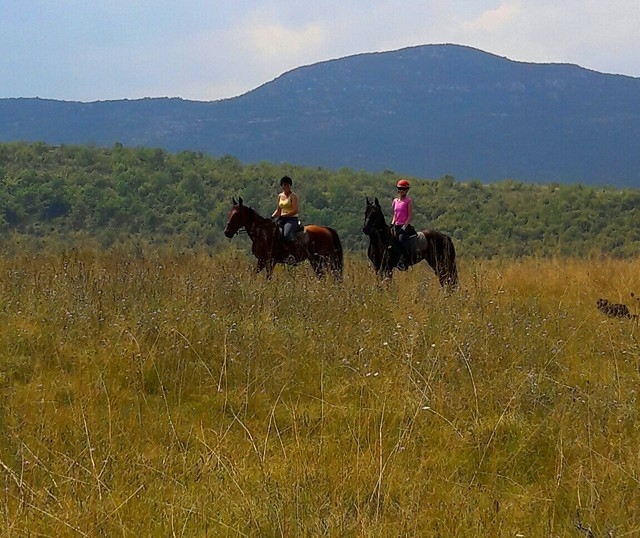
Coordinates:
[401,210]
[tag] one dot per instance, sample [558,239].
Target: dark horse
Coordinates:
[384,248]
[318,244]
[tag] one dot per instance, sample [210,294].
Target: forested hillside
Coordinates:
[428,110]
[57,195]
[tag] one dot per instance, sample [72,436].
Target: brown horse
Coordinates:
[318,244]
[430,245]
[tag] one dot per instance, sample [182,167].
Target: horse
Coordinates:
[318,244]
[385,249]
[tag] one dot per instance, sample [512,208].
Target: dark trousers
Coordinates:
[403,237]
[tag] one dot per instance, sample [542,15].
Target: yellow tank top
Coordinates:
[285,204]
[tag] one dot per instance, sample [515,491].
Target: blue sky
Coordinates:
[82,50]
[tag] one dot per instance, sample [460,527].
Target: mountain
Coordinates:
[425,111]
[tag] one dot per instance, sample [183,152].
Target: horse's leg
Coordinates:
[260,265]
[433,259]
[270,264]
[313,254]
[450,276]
[443,274]
[454,283]
[335,267]
[444,271]
[385,272]
[387,263]
[316,263]
[441,269]
[444,267]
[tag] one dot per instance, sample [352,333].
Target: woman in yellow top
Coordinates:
[287,209]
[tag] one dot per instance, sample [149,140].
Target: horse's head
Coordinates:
[239,216]
[373,217]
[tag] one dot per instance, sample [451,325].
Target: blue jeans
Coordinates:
[289,226]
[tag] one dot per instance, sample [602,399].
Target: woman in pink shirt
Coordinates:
[402,212]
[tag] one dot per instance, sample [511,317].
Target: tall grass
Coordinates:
[177,394]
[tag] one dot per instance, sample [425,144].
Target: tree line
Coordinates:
[58,194]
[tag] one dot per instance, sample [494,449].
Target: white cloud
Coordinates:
[272,42]
[493,20]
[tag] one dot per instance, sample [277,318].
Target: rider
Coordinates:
[402,212]
[287,209]
[287,214]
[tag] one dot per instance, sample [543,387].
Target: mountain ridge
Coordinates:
[425,111]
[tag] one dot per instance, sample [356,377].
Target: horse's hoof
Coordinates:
[290,260]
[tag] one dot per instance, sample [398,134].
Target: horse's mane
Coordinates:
[377,208]
[255,214]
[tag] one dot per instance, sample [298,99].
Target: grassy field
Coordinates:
[179,394]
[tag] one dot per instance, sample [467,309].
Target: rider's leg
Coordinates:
[288,230]
[288,233]
[405,257]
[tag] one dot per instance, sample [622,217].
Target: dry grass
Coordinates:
[173,394]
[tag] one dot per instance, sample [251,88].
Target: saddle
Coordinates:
[410,232]
[299,233]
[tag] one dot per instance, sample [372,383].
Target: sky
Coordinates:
[205,50]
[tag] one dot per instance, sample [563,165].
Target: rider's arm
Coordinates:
[277,212]
[409,214]
[294,206]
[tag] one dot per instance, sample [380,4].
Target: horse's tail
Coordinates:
[450,263]
[337,262]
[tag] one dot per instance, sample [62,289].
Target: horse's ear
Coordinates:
[368,202]
[234,201]
[376,201]
[240,200]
